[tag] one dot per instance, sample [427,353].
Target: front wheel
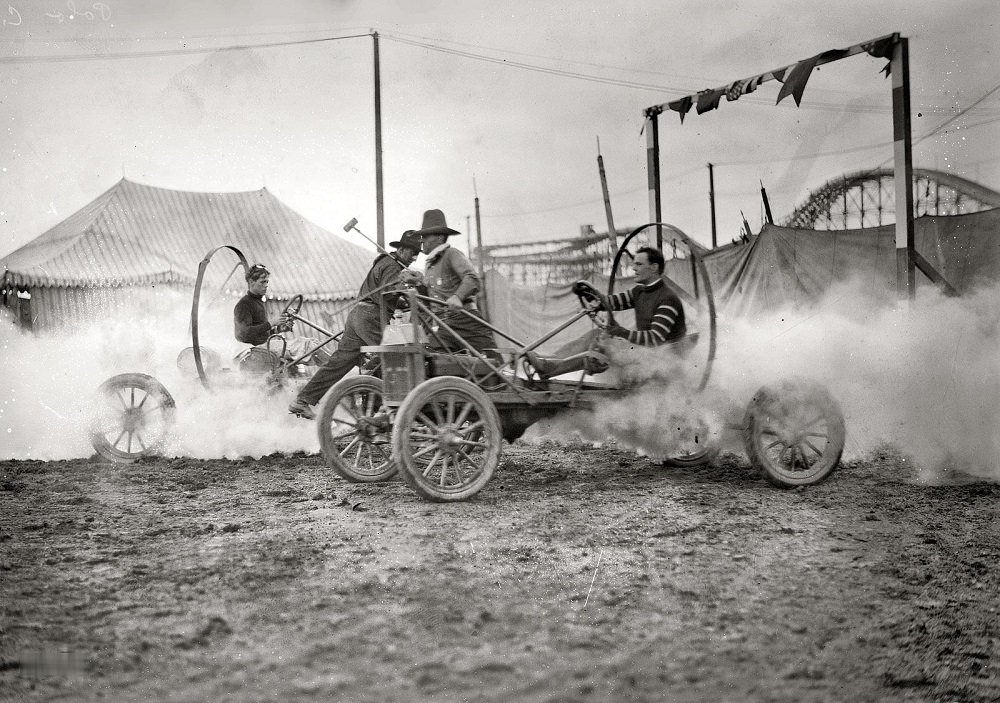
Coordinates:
[794,433]
[691,459]
[135,414]
[447,438]
[354,430]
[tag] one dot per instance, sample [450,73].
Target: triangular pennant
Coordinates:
[682,106]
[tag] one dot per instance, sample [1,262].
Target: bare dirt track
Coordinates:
[578,574]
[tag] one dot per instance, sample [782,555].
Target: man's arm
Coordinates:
[662,324]
[620,301]
[463,269]
[660,327]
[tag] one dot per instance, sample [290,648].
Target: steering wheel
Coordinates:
[588,294]
[293,307]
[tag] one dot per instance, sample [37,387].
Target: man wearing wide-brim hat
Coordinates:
[376,301]
[450,277]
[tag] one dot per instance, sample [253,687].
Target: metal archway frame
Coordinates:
[700,268]
[899,71]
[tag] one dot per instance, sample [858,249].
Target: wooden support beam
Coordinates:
[903,170]
[932,273]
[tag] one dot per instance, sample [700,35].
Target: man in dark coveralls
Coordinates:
[364,322]
[659,318]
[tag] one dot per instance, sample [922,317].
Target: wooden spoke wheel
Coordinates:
[355,430]
[135,414]
[794,433]
[447,439]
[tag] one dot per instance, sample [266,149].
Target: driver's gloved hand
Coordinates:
[617,331]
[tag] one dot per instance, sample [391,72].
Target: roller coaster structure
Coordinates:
[867,199]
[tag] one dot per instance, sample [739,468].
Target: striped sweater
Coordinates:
[659,314]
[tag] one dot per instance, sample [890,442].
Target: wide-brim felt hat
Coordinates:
[409,239]
[434,223]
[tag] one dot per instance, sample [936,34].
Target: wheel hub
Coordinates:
[132,420]
[448,438]
[368,428]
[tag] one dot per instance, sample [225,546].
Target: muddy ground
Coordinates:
[578,574]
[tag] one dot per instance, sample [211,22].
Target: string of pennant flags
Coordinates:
[792,77]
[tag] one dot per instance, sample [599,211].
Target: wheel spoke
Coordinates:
[470,461]
[450,414]
[121,399]
[430,424]
[774,444]
[474,427]
[350,404]
[430,464]
[429,447]
[437,413]
[812,422]
[444,471]
[473,443]
[350,445]
[812,446]
[468,407]
[119,439]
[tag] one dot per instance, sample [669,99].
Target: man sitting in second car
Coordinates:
[659,317]
[253,327]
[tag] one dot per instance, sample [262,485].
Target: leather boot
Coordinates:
[548,367]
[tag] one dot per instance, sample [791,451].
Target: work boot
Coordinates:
[301,408]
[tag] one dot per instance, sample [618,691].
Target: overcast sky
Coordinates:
[510,96]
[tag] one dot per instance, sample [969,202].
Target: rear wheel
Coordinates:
[447,438]
[794,433]
[355,430]
[135,414]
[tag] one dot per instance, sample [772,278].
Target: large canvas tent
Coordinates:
[135,242]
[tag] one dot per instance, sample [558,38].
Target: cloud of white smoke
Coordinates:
[923,376]
[50,383]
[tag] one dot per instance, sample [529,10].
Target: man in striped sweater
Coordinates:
[659,317]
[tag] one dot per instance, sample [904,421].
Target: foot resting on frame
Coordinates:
[546,367]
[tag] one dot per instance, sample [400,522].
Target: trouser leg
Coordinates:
[469,327]
[363,328]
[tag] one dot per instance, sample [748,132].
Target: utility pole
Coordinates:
[379,201]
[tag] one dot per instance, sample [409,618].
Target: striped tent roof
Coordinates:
[137,234]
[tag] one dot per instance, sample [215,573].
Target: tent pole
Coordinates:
[903,169]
